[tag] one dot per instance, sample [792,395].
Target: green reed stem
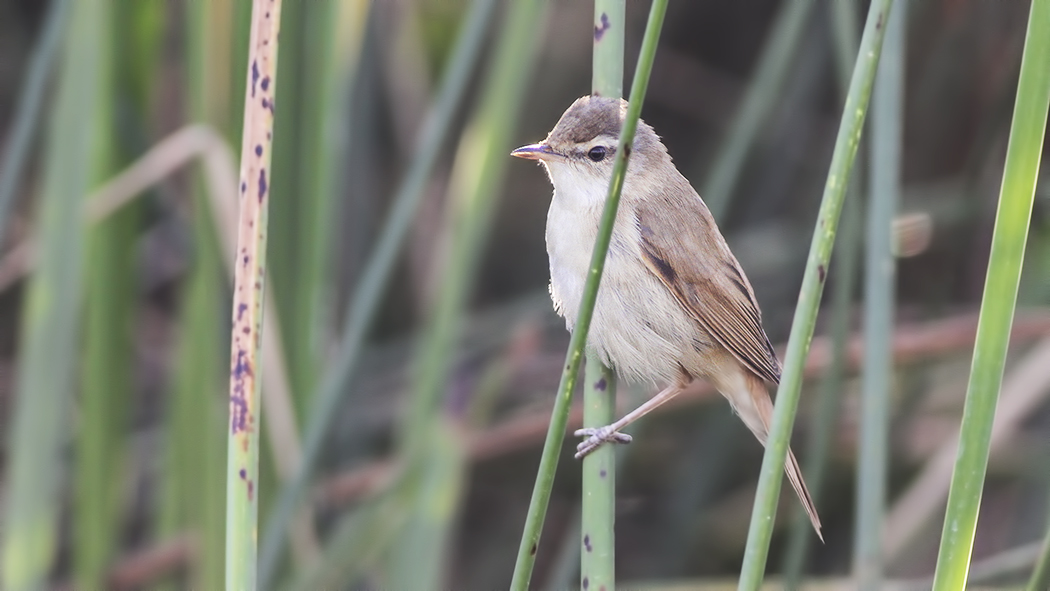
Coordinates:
[830,395]
[607,59]
[598,508]
[850,128]
[1000,297]
[51,314]
[552,445]
[887,122]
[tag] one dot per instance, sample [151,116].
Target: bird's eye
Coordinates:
[597,153]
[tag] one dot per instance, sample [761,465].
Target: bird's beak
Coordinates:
[535,152]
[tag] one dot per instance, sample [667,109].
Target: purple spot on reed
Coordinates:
[599,31]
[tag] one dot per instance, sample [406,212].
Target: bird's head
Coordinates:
[579,152]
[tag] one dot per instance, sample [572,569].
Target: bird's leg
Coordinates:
[610,433]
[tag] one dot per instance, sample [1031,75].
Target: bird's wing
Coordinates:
[681,245]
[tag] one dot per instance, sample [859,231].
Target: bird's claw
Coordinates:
[596,437]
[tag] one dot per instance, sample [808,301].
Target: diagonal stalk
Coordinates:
[764,511]
[1016,196]
[1041,573]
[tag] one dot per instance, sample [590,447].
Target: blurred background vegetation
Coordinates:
[114,312]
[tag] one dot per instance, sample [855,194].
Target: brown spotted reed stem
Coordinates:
[242,469]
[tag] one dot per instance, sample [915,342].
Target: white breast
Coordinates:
[638,327]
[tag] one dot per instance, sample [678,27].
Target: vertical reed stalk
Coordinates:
[764,511]
[242,469]
[51,315]
[105,377]
[598,514]
[887,121]
[1000,297]
[110,308]
[607,58]
[829,399]
[332,62]
[541,492]
[598,511]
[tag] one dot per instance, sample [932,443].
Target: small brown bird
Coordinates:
[674,304]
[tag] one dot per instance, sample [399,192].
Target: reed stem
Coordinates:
[598,508]
[847,141]
[50,327]
[242,464]
[1016,196]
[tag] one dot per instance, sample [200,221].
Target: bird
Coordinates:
[674,304]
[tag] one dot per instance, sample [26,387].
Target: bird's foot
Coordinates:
[596,437]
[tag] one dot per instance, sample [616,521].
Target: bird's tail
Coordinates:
[749,397]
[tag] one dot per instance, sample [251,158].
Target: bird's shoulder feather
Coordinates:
[683,248]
